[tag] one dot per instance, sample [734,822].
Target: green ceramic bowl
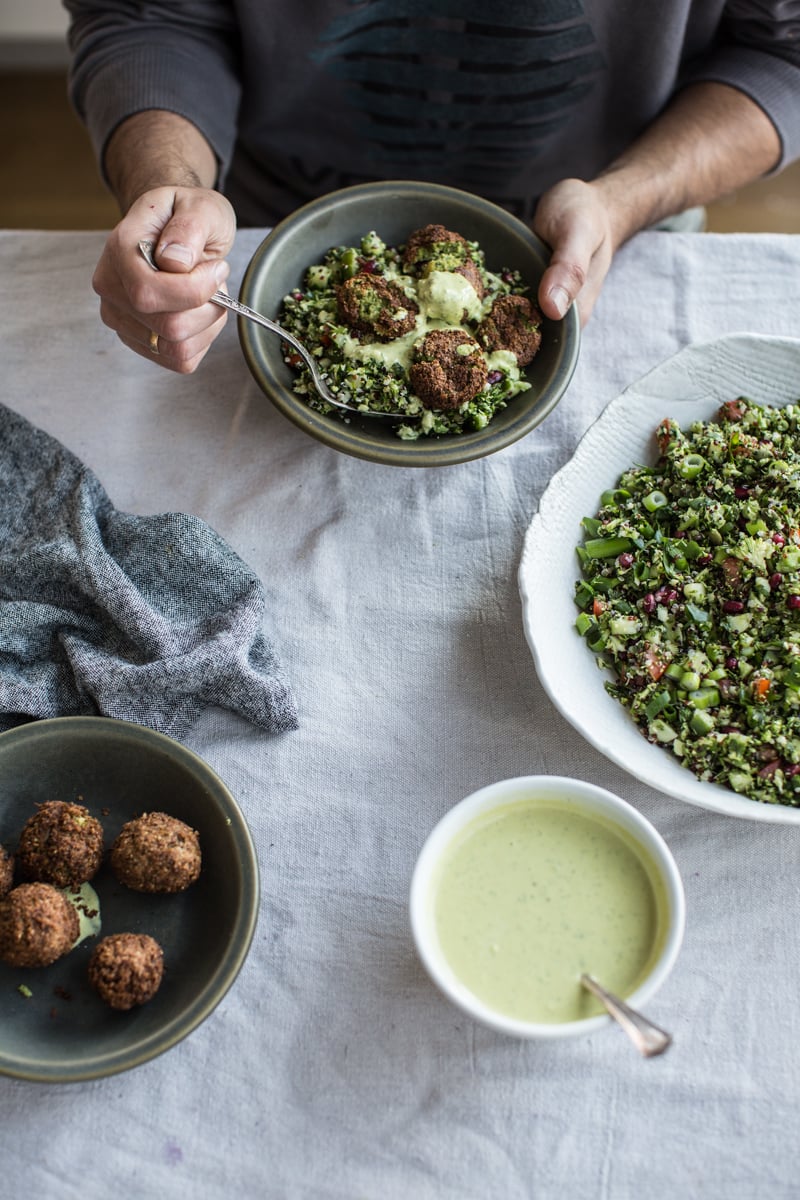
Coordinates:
[62,1032]
[394,210]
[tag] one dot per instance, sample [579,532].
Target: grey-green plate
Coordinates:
[64,1032]
[394,210]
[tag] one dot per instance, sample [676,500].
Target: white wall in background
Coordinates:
[33,19]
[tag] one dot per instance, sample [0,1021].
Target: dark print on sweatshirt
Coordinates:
[459,90]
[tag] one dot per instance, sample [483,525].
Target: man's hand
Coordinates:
[572,219]
[166,316]
[709,140]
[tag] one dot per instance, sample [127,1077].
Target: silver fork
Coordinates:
[226,301]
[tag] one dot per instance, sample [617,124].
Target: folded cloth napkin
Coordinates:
[149,619]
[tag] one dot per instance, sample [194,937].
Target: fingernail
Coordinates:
[177,252]
[560,300]
[221,271]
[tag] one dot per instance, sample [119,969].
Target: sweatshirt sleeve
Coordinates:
[177,55]
[758,52]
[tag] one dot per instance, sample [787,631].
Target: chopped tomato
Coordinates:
[732,410]
[655,663]
[664,434]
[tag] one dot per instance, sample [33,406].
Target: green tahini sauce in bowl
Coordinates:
[529,883]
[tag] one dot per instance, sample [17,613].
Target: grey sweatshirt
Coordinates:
[504,99]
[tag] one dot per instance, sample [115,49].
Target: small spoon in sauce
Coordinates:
[648,1039]
[223,300]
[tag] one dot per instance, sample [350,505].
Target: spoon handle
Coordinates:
[648,1038]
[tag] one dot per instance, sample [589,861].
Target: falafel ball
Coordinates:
[156,853]
[374,307]
[471,272]
[448,369]
[435,248]
[62,844]
[126,969]
[513,323]
[37,925]
[6,871]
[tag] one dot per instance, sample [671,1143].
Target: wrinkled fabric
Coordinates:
[148,619]
[334,1069]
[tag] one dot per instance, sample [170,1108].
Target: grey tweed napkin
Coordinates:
[148,619]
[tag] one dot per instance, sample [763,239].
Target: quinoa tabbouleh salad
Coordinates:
[690,594]
[424,329]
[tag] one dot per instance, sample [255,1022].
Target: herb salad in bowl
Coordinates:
[690,590]
[681,665]
[415,299]
[423,329]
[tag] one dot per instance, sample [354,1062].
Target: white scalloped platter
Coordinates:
[687,387]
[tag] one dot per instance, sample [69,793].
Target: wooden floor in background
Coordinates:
[49,180]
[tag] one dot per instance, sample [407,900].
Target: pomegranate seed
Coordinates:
[792,770]
[741,492]
[775,581]
[779,539]
[732,606]
[625,560]
[665,595]
[793,601]
[649,603]
[731,662]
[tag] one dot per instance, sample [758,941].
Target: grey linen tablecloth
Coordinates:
[333,1070]
[148,619]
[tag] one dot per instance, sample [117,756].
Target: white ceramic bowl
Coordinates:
[587,799]
[689,387]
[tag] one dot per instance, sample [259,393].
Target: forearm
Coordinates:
[711,140]
[157,149]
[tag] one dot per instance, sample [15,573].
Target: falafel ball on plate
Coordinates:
[374,307]
[513,323]
[62,844]
[37,925]
[448,369]
[156,853]
[6,871]
[126,969]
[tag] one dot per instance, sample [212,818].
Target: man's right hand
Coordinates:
[166,315]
